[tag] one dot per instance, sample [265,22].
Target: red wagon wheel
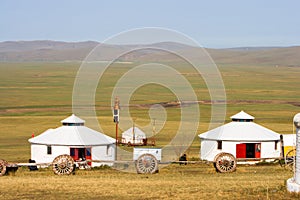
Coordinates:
[146,164]
[2,167]
[63,165]
[225,162]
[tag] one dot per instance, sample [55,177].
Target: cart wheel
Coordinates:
[146,164]
[289,159]
[2,167]
[225,162]
[63,165]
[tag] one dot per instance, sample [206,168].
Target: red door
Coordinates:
[81,153]
[241,151]
[74,153]
[88,155]
[257,150]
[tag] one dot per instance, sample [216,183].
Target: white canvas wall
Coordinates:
[209,149]
[106,152]
[268,150]
[127,139]
[39,153]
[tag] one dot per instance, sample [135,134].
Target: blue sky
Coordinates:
[212,23]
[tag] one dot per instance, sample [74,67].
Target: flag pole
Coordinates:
[116,116]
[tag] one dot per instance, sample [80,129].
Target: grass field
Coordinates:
[37,96]
[194,181]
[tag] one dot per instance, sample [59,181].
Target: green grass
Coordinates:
[37,96]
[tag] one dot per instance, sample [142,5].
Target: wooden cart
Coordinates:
[61,165]
[144,164]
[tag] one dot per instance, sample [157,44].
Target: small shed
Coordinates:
[134,136]
[74,139]
[242,138]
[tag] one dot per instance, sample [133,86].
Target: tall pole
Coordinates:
[133,134]
[153,132]
[116,116]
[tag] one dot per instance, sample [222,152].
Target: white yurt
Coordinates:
[74,139]
[133,136]
[242,138]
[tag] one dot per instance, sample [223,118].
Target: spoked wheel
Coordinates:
[290,159]
[63,165]
[2,167]
[146,164]
[225,162]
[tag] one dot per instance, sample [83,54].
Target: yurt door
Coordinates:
[257,150]
[241,151]
[81,153]
[74,153]
[88,155]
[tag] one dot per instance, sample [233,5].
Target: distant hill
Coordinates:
[46,50]
[287,56]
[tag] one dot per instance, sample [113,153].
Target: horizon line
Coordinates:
[94,41]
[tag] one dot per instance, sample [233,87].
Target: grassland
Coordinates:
[172,182]
[36,96]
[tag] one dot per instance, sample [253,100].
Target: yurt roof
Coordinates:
[137,132]
[72,136]
[72,119]
[241,131]
[75,135]
[242,115]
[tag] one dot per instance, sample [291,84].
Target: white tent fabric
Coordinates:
[72,119]
[242,115]
[289,139]
[139,135]
[241,131]
[72,135]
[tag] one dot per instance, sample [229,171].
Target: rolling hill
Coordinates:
[46,50]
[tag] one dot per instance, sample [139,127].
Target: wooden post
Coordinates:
[116,117]
[133,133]
[117,127]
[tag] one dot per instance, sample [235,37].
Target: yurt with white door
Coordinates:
[134,136]
[74,139]
[242,138]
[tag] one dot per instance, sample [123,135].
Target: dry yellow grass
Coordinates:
[193,181]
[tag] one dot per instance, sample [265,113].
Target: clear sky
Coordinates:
[212,23]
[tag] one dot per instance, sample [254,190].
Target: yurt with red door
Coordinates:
[74,139]
[242,138]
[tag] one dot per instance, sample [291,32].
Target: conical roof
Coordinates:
[246,130]
[72,135]
[236,131]
[137,132]
[72,119]
[242,115]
